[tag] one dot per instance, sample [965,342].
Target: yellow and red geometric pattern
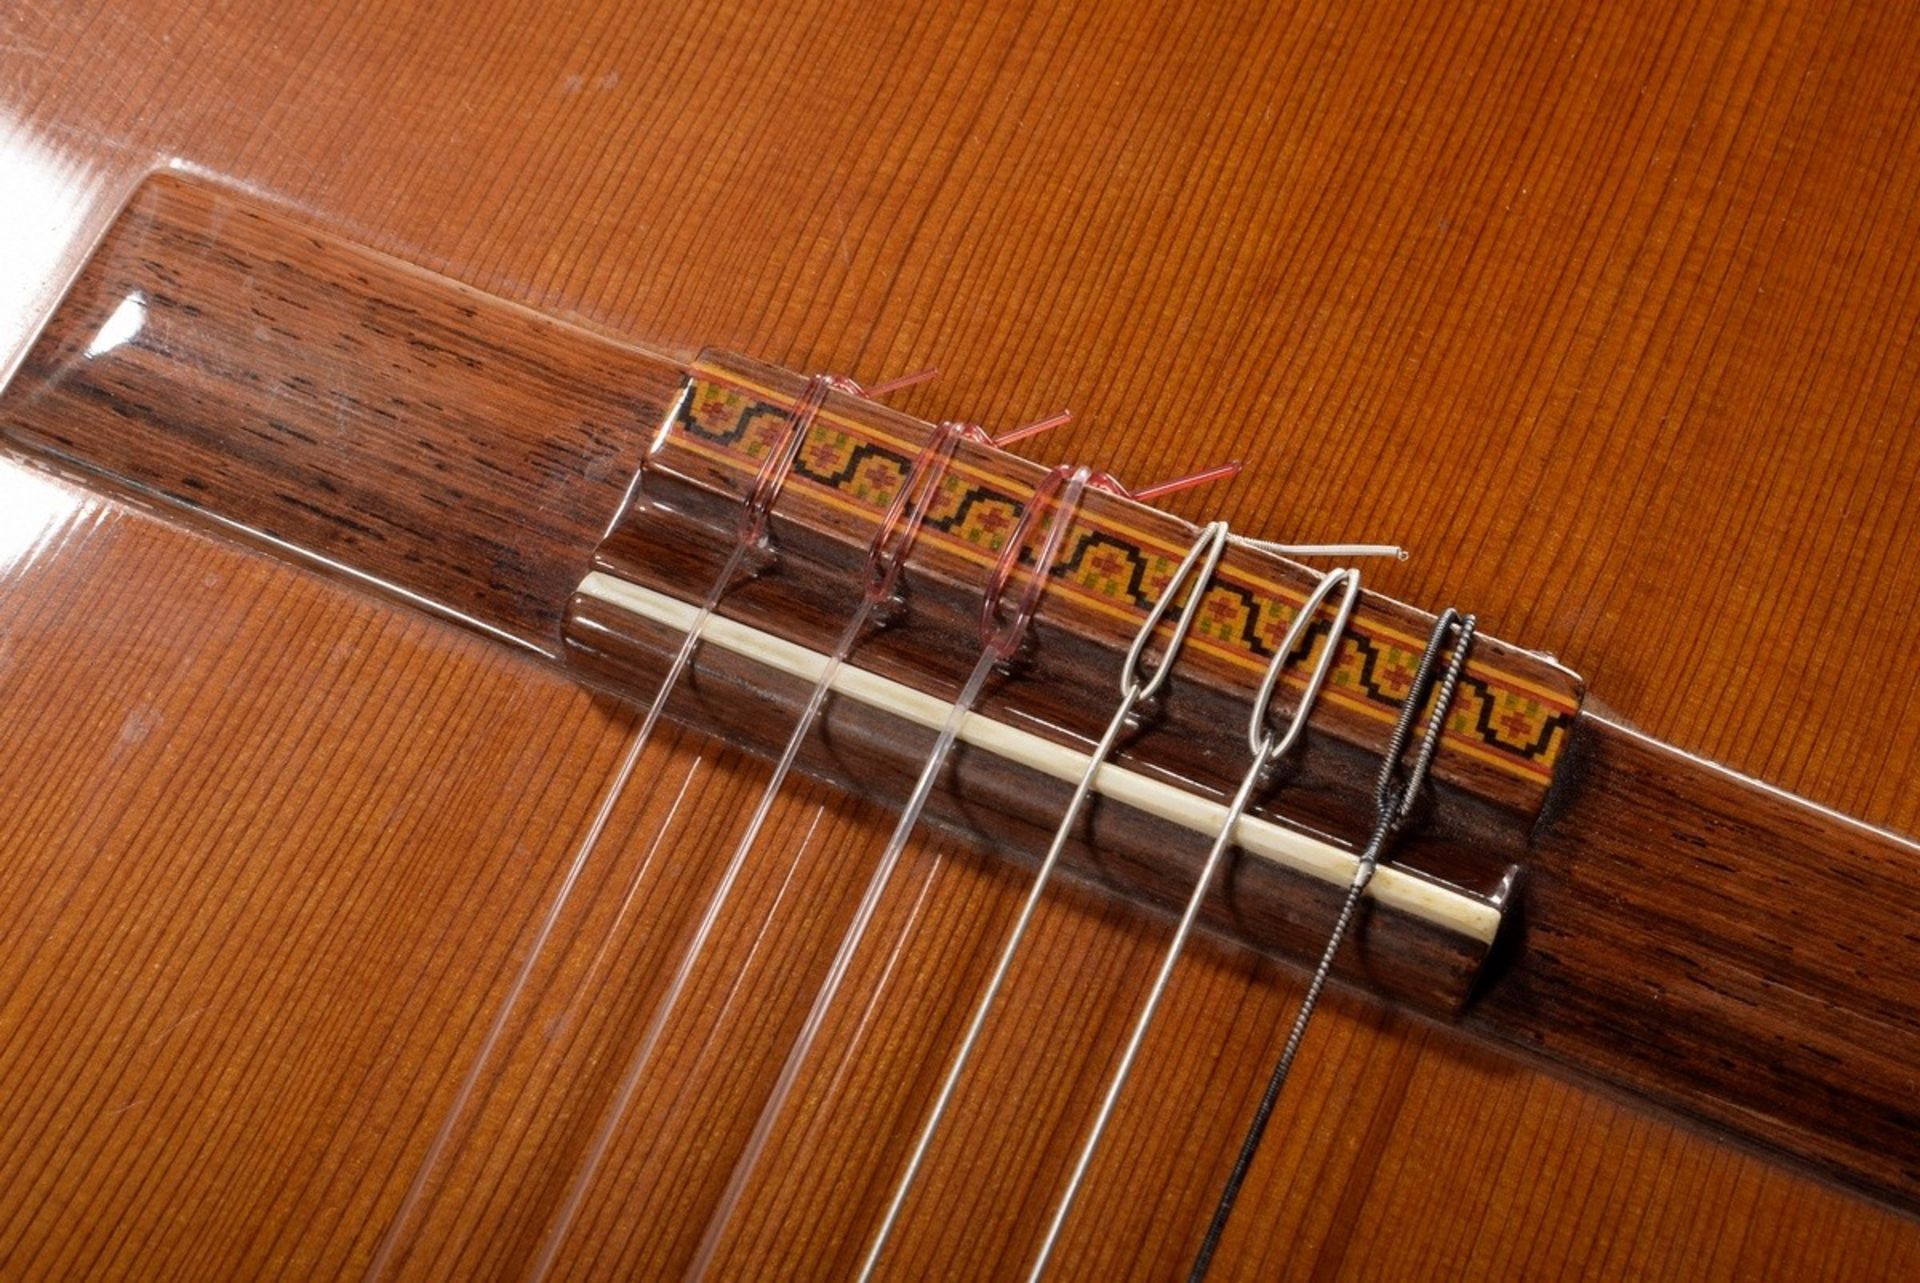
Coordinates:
[1498,717]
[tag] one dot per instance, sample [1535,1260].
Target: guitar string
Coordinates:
[1059,494]
[1269,750]
[886,555]
[767,485]
[1193,575]
[1393,806]
[749,533]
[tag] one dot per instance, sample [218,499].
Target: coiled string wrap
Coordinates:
[899,525]
[1059,494]
[1140,683]
[1004,627]
[1270,747]
[886,554]
[1394,799]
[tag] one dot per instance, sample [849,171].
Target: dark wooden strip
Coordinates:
[444,442]
[1726,949]
[1012,810]
[1710,944]
[677,538]
[1516,706]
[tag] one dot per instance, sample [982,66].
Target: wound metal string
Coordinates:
[1059,492]
[1192,577]
[1393,800]
[748,535]
[1269,750]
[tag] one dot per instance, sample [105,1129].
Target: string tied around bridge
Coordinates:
[1140,683]
[750,551]
[1271,745]
[1040,534]
[1395,794]
[880,597]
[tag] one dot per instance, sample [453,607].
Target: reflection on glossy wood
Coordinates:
[1605,310]
[252,380]
[276,850]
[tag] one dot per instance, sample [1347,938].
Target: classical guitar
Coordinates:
[1406,779]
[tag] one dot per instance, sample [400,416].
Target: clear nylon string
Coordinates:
[999,645]
[889,548]
[842,959]
[1205,558]
[1269,750]
[436,1155]
[767,484]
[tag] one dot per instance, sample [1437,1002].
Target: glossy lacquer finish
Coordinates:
[1603,311]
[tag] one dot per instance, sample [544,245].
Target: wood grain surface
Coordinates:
[234,365]
[1603,310]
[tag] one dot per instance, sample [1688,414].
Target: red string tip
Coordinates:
[1220,473]
[1034,429]
[904,381]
